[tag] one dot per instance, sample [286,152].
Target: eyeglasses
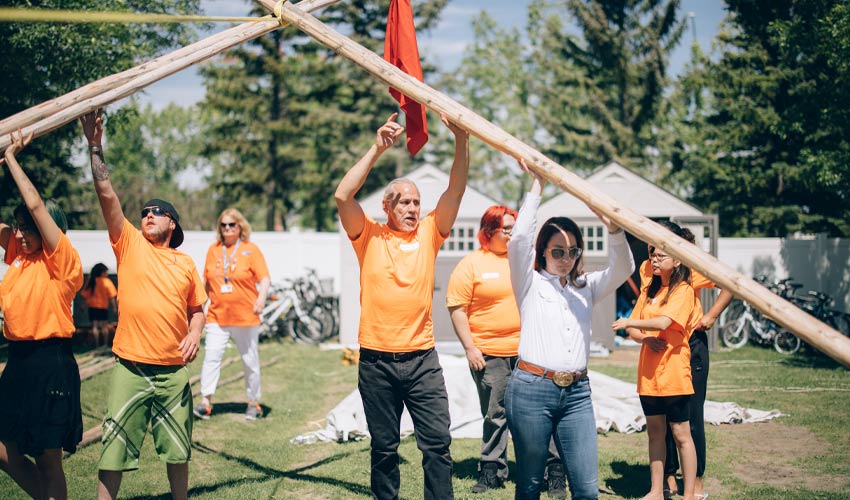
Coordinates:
[157,211]
[659,257]
[24,229]
[507,230]
[227,224]
[563,254]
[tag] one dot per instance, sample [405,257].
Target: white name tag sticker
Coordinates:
[489,276]
[227,288]
[409,247]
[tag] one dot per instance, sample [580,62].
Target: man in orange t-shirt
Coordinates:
[398,364]
[160,320]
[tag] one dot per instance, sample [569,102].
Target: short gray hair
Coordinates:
[390,190]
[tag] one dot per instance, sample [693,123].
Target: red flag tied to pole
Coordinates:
[401,51]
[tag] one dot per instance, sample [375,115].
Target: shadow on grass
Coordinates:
[268,474]
[628,480]
[236,408]
[809,357]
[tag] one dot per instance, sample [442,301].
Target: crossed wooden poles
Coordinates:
[55,113]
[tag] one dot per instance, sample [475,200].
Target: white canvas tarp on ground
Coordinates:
[615,404]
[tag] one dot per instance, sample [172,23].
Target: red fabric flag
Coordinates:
[401,51]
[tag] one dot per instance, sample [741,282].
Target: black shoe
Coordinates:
[487,479]
[556,481]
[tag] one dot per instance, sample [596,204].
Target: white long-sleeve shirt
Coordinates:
[556,320]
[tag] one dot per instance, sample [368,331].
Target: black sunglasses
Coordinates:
[157,211]
[227,224]
[558,253]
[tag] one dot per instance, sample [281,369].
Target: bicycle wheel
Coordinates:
[786,342]
[733,325]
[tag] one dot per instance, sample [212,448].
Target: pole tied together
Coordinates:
[277,8]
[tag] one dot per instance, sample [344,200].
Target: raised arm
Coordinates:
[50,232]
[449,203]
[621,263]
[521,245]
[110,205]
[350,212]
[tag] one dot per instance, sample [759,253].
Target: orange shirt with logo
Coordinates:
[103,291]
[156,287]
[698,282]
[482,283]
[37,292]
[666,373]
[244,270]
[397,285]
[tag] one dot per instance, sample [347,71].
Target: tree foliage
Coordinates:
[772,145]
[601,94]
[41,61]
[288,117]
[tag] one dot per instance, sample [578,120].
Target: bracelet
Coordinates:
[94,148]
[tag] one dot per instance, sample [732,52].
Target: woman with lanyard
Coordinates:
[40,387]
[549,389]
[237,280]
[660,320]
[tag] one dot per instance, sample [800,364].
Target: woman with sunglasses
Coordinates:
[237,280]
[549,390]
[40,387]
[661,320]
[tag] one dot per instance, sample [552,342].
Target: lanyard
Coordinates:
[226,260]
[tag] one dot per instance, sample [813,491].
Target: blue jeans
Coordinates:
[536,408]
[386,387]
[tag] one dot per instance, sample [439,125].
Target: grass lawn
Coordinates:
[804,455]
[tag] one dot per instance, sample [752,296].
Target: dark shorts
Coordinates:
[674,407]
[40,397]
[98,314]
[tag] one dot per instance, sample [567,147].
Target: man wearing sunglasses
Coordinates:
[160,319]
[398,365]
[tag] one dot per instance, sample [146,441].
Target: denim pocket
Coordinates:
[522,376]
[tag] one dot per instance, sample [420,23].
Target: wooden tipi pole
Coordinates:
[50,115]
[805,326]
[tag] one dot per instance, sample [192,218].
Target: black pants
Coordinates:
[699,375]
[386,386]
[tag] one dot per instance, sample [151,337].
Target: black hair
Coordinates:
[551,227]
[96,271]
[681,273]
[24,219]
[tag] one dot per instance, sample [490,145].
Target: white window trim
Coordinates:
[461,242]
[598,234]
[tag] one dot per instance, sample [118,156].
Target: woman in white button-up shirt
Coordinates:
[549,388]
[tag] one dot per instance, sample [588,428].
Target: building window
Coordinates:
[595,238]
[462,239]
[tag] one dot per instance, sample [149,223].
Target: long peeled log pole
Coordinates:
[805,326]
[50,115]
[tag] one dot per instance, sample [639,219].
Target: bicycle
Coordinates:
[741,322]
[298,309]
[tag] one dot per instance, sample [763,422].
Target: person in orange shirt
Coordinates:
[160,320]
[99,294]
[237,280]
[40,386]
[698,342]
[398,365]
[660,320]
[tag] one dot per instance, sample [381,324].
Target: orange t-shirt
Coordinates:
[666,373]
[156,288]
[245,269]
[482,282]
[397,285]
[103,291]
[698,282]
[37,292]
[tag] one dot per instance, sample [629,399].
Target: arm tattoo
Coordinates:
[98,165]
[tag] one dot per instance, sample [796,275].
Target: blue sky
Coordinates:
[444,45]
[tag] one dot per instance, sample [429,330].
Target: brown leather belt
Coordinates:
[561,379]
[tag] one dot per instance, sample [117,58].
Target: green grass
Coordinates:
[804,455]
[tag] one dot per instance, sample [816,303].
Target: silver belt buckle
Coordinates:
[563,379]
